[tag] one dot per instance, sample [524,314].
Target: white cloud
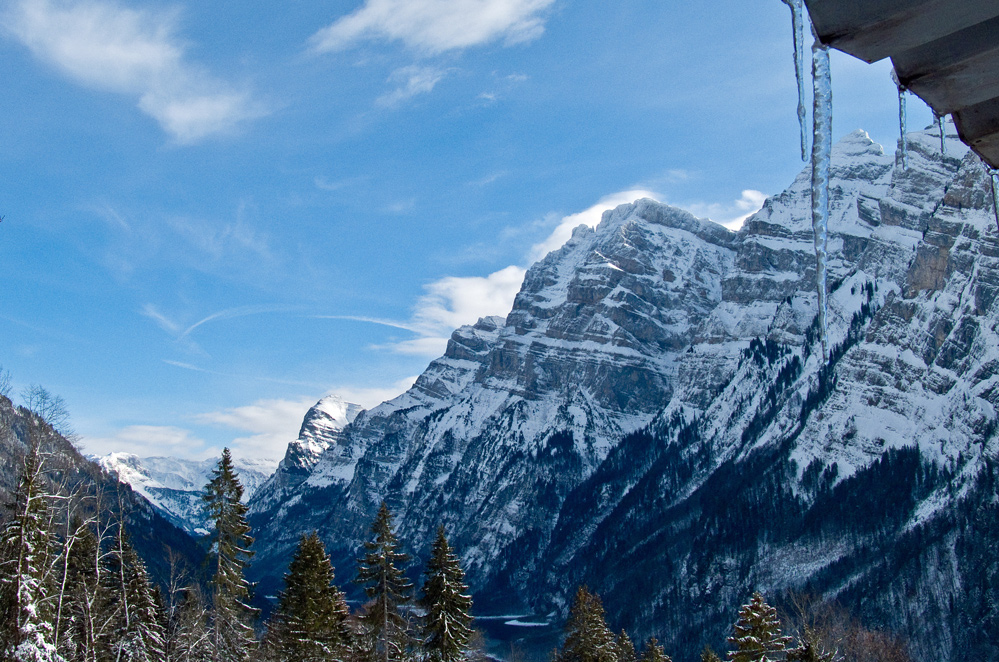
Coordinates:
[410,81]
[590,217]
[147,441]
[272,424]
[110,47]
[732,214]
[369,397]
[452,302]
[435,26]
[429,346]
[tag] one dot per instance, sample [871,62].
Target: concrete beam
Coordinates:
[978,127]
[875,29]
[956,71]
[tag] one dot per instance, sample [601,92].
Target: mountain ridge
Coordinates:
[655,417]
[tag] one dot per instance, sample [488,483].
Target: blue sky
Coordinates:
[214,214]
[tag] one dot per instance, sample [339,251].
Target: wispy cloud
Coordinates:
[436,26]
[449,302]
[325,184]
[590,216]
[731,214]
[409,82]
[369,397]
[149,440]
[223,239]
[107,46]
[405,326]
[182,333]
[488,179]
[453,301]
[271,424]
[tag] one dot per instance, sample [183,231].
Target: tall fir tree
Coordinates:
[232,636]
[310,623]
[446,627]
[587,637]
[382,573]
[756,635]
[26,546]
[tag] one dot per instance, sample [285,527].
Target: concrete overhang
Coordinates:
[944,51]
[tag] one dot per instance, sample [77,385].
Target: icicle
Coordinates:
[941,125]
[901,119]
[797,26]
[821,154]
[994,174]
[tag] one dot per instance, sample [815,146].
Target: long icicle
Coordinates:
[797,27]
[994,175]
[941,121]
[821,154]
[901,119]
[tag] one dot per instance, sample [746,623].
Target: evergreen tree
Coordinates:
[138,635]
[709,655]
[756,635]
[654,652]
[381,573]
[310,623]
[446,626]
[25,551]
[232,635]
[625,648]
[587,637]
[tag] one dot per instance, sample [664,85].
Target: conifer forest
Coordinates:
[73,588]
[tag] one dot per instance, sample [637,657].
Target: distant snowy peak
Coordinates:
[323,423]
[174,485]
[321,429]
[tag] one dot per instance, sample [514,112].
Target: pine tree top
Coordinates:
[756,635]
[654,652]
[588,639]
[382,567]
[446,627]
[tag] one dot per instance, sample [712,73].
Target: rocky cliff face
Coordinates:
[654,418]
[321,428]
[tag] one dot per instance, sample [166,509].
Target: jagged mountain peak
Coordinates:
[654,415]
[321,429]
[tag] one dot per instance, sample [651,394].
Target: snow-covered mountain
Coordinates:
[655,418]
[159,542]
[174,485]
[321,428]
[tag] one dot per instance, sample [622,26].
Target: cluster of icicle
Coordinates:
[821,147]
[994,175]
